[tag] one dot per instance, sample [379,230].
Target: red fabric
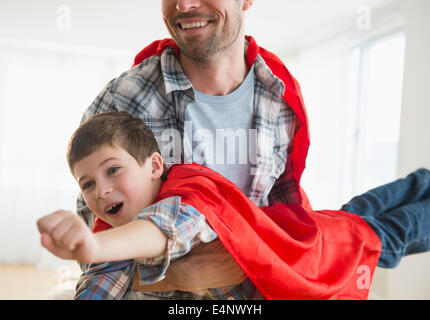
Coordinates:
[100,225]
[288,251]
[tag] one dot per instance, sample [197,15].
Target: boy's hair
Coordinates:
[116,129]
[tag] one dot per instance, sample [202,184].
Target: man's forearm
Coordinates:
[205,261]
[137,239]
[160,286]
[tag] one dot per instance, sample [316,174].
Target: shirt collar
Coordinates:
[174,77]
[176,80]
[271,82]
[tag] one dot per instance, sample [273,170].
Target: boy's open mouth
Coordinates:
[115,208]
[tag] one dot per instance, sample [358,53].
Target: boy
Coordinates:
[117,163]
[313,255]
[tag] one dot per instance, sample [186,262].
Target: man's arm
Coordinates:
[215,268]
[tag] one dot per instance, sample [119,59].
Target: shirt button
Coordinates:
[272,115]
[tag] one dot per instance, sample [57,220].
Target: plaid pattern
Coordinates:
[244,291]
[106,281]
[185,228]
[158,92]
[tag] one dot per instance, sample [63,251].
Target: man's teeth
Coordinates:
[193,25]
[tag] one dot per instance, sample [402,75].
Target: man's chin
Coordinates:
[198,51]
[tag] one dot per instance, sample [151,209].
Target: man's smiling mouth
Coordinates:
[185,26]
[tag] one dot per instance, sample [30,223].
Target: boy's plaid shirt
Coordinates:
[158,92]
[185,228]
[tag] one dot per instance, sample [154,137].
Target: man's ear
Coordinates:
[247,4]
[157,165]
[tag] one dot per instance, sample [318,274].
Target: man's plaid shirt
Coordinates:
[158,92]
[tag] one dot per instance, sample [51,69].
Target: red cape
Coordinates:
[288,251]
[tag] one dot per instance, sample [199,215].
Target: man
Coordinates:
[211,82]
[210,66]
[210,37]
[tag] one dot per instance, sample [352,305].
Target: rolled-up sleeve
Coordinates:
[184,227]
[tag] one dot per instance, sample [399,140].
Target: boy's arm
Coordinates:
[137,239]
[209,265]
[66,235]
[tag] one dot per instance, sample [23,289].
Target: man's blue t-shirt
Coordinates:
[218,130]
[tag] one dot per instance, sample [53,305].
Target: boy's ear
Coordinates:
[157,166]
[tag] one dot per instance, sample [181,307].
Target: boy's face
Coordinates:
[115,187]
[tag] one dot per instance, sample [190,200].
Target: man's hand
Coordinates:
[208,266]
[66,235]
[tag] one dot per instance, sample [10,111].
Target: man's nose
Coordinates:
[187,5]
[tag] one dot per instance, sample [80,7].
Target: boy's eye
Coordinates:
[112,170]
[87,185]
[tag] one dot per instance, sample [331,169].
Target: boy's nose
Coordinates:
[103,191]
[187,5]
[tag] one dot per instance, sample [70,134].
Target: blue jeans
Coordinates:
[399,213]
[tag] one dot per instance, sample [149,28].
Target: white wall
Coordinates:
[115,26]
[415,130]
[411,279]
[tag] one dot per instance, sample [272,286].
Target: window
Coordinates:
[45,91]
[378,111]
[353,99]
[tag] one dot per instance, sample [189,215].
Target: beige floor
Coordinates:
[22,282]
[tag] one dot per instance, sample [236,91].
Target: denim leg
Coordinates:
[404,230]
[415,187]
